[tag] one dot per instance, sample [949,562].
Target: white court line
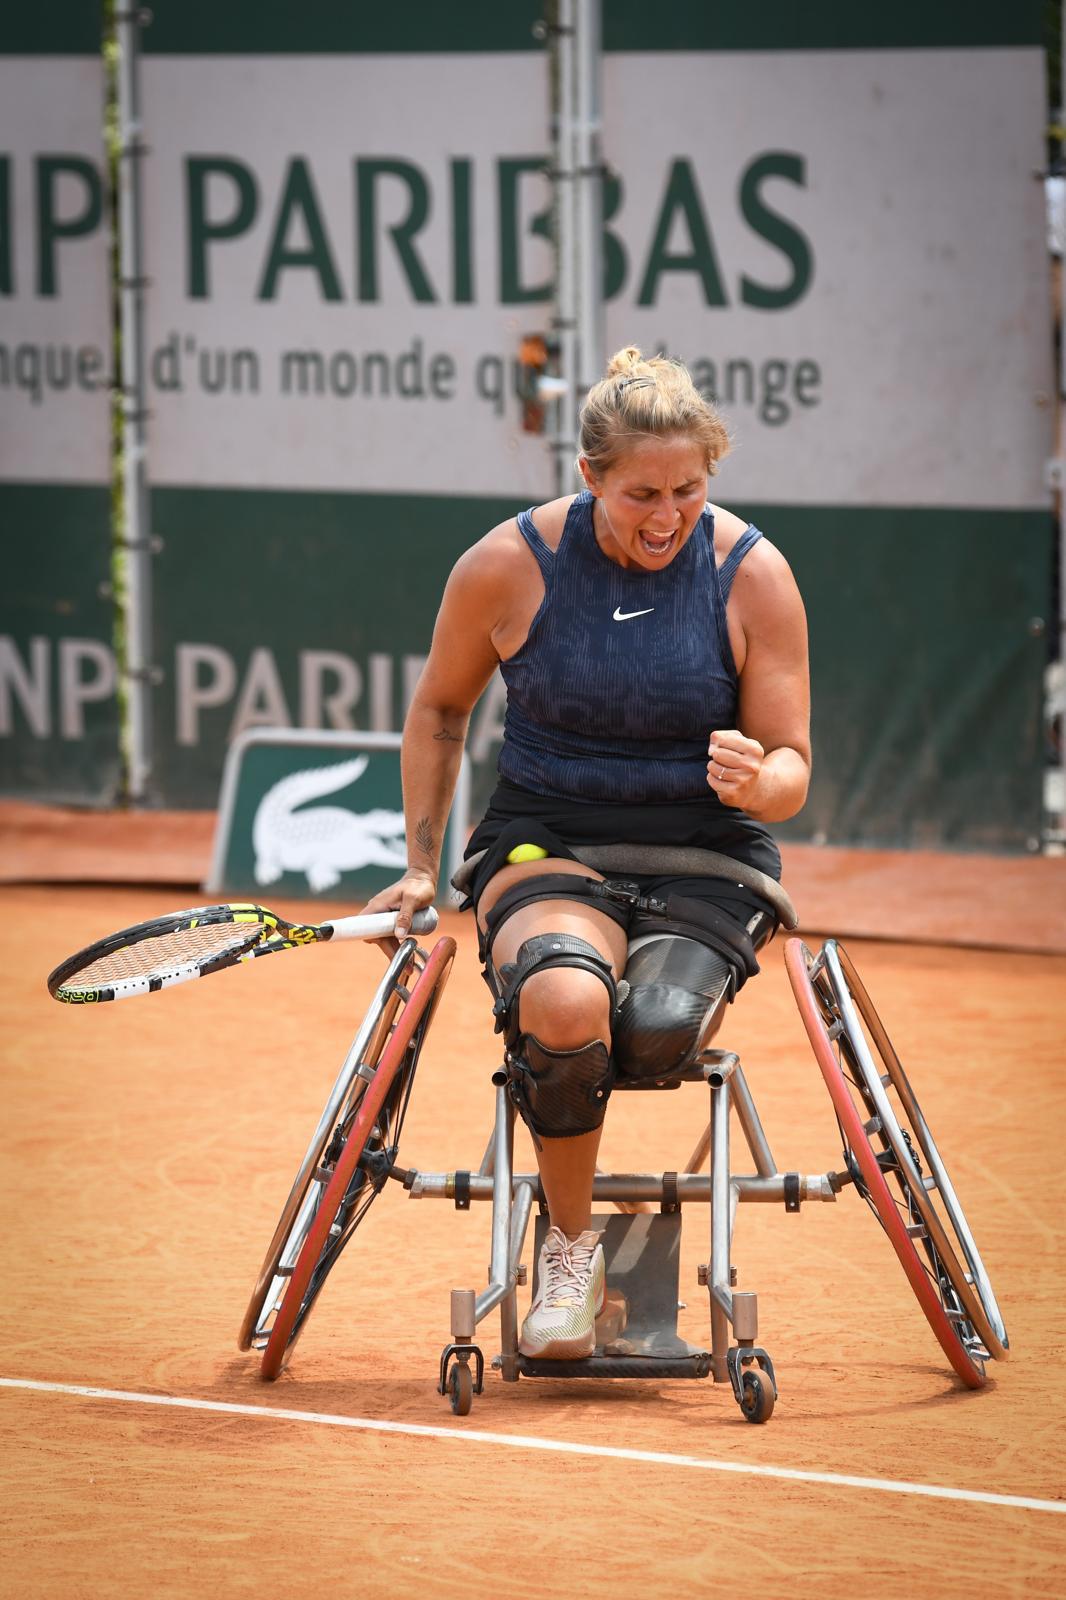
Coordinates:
[519,1441]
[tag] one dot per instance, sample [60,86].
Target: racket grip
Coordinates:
[380,924]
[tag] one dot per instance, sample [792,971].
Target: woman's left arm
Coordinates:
[764,766]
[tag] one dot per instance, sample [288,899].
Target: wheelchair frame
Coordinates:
[890,1158]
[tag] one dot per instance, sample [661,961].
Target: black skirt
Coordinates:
[518,816]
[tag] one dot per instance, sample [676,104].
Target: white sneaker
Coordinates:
[571,1289]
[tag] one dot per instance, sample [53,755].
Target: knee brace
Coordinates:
[560,1093]
[542,953]
[678,991]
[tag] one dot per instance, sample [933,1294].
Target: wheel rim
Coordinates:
[938,1295]
[909,1137]
[306,1192]
[387,1093]
[370,1172]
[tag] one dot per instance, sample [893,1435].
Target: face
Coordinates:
[649,502]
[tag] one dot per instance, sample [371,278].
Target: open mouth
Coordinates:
[657,544]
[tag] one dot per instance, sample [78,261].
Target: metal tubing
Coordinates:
[749,1121]
[721,1200]
[745,1317]
[718,1128]
[521,1207]
[636,1186]
[501,1276]
[719,1343]
[718,1065]
[520,1211]
[462,1315]
[138,603]
[627,1207]
[490,1298]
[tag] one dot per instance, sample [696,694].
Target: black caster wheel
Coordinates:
[461,1388]
[756,1394]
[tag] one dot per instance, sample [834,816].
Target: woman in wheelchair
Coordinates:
[655,656]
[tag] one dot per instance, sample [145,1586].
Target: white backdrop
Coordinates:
[55,355]
[913,370]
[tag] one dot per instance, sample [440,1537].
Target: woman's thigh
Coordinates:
[550,916]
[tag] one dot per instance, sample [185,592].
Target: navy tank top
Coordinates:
[624,673]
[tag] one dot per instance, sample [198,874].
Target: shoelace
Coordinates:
[567,1271]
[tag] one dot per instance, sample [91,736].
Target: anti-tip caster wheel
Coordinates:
[461,1388]
[756,1394]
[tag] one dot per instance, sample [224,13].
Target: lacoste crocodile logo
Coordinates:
[323,841]
[624,616]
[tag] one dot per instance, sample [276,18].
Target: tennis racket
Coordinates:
[190,944]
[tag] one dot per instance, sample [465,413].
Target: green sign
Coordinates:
[319,814]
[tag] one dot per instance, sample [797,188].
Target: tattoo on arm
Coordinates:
[424,836]
[444,737]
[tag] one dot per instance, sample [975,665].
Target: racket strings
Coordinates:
[179,947]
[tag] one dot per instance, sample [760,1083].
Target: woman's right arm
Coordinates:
[461,661]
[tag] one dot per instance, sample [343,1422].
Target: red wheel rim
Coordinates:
[859,1143]
[426,992]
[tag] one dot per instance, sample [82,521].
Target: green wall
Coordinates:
[926,669]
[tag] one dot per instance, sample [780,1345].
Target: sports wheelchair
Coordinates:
[889,1158]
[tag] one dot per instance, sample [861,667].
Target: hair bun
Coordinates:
[624,361]
[651,396]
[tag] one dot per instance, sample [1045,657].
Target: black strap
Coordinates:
[717,930]
[554,886]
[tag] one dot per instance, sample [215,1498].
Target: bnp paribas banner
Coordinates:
[59,723]
[835,225]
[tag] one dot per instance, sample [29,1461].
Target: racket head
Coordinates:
[161,952]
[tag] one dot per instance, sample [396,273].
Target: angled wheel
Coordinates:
[315,1169]
[892,1158]
[352,1154]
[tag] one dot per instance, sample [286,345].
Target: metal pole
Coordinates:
[565,320]
[1061,442]
[588,183]
[138,585]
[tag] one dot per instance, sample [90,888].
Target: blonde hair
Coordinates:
[644,396]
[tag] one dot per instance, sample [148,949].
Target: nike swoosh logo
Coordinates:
[624,616]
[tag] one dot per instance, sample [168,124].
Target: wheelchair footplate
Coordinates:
[636,1333]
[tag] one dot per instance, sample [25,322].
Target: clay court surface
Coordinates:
[149,1146]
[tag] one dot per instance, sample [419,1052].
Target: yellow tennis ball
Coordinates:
[526,852]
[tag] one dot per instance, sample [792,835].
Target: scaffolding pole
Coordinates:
[1057,836]
[139,672]
[563,441]
[577,182]
[588,184]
